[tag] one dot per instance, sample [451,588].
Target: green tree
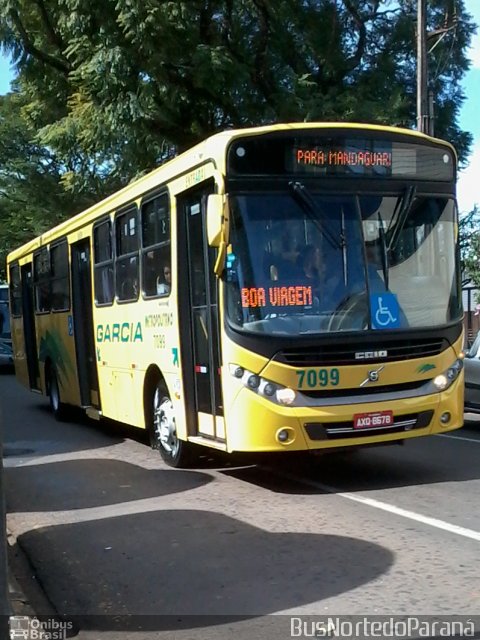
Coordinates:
[36,188]
[114,88]
[134,77]
[470,246]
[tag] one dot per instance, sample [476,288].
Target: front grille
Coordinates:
[343,354]
[342,430]
[367,390]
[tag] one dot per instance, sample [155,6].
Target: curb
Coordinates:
[19,603]
[26,595]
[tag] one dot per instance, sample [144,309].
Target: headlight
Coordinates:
[266,388]
[445,379]
[285,395]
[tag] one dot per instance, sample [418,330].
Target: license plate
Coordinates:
[374,419]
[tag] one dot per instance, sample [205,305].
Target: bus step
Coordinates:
[93,413]
[209,442]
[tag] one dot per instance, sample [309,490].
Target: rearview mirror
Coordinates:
[218,228]
[215,218]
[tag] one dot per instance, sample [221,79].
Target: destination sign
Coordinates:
[348,154]
[294,296]
[325,157]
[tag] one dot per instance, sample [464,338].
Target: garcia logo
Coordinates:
[120,332]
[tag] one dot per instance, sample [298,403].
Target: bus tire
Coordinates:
[58,408]
[174,452]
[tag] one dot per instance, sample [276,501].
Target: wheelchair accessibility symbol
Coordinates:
[385,311]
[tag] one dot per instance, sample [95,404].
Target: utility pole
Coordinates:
[426,98]
[422,82]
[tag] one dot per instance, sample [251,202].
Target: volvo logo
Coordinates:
[368,355]
[372,376]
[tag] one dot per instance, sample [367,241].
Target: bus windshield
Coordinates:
[301,262]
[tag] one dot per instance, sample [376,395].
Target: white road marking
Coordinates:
[444,435]
[390,508]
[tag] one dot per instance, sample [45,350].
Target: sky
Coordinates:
[468,188]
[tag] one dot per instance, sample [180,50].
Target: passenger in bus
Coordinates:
[164,285]
[129,289]
[312,268]
[326,282]
[311,262]
[281,257]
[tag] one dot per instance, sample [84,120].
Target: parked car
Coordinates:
[472,377]
[6,351]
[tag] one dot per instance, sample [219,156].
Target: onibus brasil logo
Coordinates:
[32,628]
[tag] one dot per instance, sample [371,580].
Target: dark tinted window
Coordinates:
[156,258]
[41,281]
[103,263]
[60,284]
[102,242]
[16,290]
[126,264]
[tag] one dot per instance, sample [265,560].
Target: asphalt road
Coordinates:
[122,547]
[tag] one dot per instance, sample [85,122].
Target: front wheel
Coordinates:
[175,452]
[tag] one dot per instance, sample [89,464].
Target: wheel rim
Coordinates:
[164,424]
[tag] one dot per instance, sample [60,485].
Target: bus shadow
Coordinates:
[173,569]
[427,460]
[90,483]
[26,438]
[108,432]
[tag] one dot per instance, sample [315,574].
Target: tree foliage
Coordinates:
[108,90]
[470,246]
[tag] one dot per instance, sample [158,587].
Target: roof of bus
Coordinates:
[188,160]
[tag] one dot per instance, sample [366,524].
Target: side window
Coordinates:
[60,285]
[126,264]
[41,281]
[156,255]
[103,263]
[15,291]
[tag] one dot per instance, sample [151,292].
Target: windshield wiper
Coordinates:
[400,215]
[318,217]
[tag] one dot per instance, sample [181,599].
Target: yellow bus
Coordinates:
[292,287]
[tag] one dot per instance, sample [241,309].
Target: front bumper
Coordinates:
[254,423]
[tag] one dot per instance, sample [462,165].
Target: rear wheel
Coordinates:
[57,407]
[175,452]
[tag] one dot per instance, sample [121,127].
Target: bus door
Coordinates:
[83,323]
[198,319]
[30,338]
